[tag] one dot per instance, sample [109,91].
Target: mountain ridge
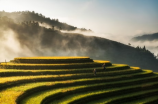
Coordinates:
[35,40]
[146,37]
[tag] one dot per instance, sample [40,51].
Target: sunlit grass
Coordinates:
[120,65]
[11,65]
[54,57]
[75,97]
[51,92]
[41,95]
[17,83]
[30,64]
[10,95]
[101,61]
[58,70]
[37,100]
[106,101]
[17,78]
[19,90]
[27,64]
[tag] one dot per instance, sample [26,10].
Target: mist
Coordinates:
[150,45]
[149,40]
[10,47]
[45,25]
[38,38]
[21,41]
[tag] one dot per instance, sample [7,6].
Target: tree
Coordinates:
[60,28]
[137,47]
[144,48]
[53,27]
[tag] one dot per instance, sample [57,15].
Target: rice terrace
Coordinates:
[70,80]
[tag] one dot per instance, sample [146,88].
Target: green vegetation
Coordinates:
[25,63]
[77,84]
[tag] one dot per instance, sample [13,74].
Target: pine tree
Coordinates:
[144,49]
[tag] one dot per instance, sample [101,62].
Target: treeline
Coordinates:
[26,16]
[144,50]
[146,37]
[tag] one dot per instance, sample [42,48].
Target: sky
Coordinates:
[106,17]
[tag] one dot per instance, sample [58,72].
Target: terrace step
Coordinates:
[145,100]
[43,80]
[47,85]
[12,72]
[129,98]
[82,98]
[136,96]
[13,81]
[50,60]
[53,66]
[89,80]
[59,96]
[106,85]
[108,71]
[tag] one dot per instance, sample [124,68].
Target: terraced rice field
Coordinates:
[70,80]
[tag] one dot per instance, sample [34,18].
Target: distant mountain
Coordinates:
[146,37]
[35,40]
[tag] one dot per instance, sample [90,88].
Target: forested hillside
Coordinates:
[27,16]
[36,40]
[146,37]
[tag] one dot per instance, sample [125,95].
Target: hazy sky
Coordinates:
[109,17]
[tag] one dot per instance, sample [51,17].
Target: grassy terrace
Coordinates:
[128,98]
[58,93]
[70,80]
[84,97]
[13,72]
[11,65]
[77,81]
[57,57]
[47,60]
[147,100]
[25,79]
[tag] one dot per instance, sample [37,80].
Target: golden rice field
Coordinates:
[70,80]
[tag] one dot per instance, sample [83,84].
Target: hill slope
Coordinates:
[22,82]
[27,16]
[30,39]
[147,37]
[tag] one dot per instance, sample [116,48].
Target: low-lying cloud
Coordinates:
[10,46]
